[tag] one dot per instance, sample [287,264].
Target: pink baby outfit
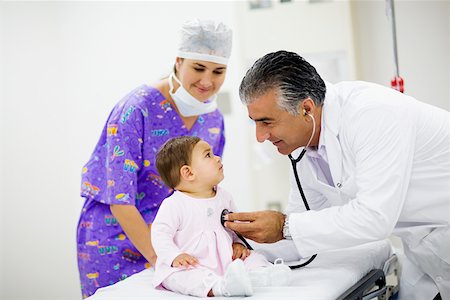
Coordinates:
[191,225]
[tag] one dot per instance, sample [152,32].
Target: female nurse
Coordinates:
[120,183]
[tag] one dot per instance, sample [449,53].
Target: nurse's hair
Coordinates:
[289,74]
[174,154]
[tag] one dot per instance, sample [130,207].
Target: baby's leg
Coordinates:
[197,281]
[256,260]
[235,282]
[262,273]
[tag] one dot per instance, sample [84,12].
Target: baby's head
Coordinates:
[174,154]
[188,159]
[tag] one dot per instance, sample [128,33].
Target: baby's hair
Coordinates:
[174,154]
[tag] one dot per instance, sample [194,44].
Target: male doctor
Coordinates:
[377,162]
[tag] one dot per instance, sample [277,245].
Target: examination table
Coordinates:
[347,274]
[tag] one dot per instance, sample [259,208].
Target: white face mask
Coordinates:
[187,104]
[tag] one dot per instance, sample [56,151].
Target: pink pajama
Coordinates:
[199,281]
[192,226]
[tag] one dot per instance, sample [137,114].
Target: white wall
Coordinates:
[2,155]
[63,65]
[423,41]
[66,65]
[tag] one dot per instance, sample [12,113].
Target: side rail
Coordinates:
[392,272]
[379,284]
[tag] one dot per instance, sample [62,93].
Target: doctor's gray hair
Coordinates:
[292,77]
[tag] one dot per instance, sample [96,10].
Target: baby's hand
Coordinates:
[184,260]
[240,251]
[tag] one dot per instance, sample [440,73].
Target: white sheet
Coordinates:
[327,277]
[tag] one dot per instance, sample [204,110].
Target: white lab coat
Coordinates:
[389,157]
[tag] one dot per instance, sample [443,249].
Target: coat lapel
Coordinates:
[331,113]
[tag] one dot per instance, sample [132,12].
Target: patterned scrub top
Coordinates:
[122,170]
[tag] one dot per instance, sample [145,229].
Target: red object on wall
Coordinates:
[397,84]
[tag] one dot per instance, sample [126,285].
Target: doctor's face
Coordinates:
[202,79]
[283,130]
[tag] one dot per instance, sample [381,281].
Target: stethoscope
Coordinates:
[305,202]
[294,162]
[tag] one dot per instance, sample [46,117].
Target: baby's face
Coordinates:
[207,166]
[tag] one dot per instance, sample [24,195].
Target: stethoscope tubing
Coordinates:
[297,179]
[305,202]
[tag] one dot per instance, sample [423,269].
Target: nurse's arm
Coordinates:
[134,226]
[261,226]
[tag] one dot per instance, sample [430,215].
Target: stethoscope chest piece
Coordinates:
[222,216]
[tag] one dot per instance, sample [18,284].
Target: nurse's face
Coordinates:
[283,130]
[202,79]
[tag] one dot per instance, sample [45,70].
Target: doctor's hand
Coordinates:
[261,226]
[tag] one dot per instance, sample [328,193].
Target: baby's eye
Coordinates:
[208,154]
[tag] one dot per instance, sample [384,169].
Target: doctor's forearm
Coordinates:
[136,229]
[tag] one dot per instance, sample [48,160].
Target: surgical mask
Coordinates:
[187,104]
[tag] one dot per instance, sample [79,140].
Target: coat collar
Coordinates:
[331,118]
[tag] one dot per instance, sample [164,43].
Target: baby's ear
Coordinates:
[186,173]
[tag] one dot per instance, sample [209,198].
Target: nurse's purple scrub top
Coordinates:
[122,170]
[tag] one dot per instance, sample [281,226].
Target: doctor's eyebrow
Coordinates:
[264,119]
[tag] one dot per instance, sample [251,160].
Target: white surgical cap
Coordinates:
[205,40]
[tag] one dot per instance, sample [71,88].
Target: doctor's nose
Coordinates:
[261,135]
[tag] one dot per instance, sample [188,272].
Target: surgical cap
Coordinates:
[205,40]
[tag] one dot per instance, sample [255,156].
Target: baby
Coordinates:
[196,255]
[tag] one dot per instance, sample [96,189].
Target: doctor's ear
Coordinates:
[306,106]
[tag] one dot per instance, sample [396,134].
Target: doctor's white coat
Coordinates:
[389,157]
